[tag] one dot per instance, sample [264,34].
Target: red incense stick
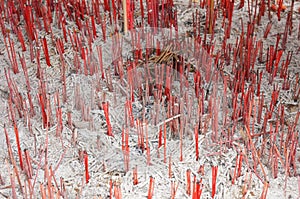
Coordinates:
[135,176]
[151,188]
[214,179]
[106,113]
[86,165]
[188,182]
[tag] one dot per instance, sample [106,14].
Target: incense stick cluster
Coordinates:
[130,97]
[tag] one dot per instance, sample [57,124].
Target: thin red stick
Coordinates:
[28,163]
[106,113]
[173,189]
[9,148]
[86,165]
[198,189]
[18,145]
[235,171]
[110,189]
[170,166]
[29,22]
[44,114]
[214,179]
[265,190]
[240,164]
[46,51]
[147,146]
[135,176]
[117,191]
[188,182]
[151,188]
[21,39]
[196,142]
[126,151]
